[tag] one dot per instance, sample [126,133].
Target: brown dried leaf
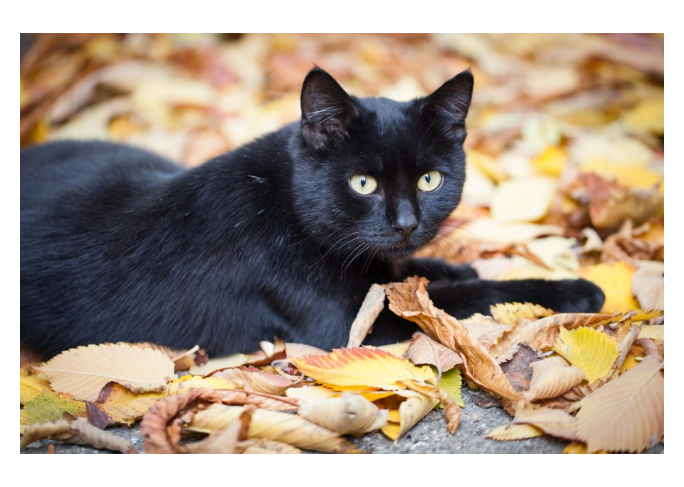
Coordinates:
[225,440]
[554,422]
[648,285]
[410,300]
[551,378]
[297,350]
[76,431]
[424,350]
[348,414]
[268,446]
[371,307]
[84,371]
[124,407]
[254,380]
[518,368]
[219,363]
[636,398]
[487,330]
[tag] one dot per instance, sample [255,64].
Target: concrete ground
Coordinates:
[428,436]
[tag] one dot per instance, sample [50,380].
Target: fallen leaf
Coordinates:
[518,368]
[590,350]
[578,448]
[410,411]
[254,380]
[310,393]
[635,399]
[286,428]
[49,407]
[225,440]
[487,330]
[269,353]
[512,313]
[453,412]
[410,300]
[296,350]
[656,332]
[451,383]
[124,407]
[30,387]
[424,350]
[398,349]
[348,414]
[513,432]
[648,285]
[219,363]
[551,378]
[615,280]
[187,382]
[525,199]
[371,307]
[554,422]
[361,367]
[76,431]
[268,446]
[84,371]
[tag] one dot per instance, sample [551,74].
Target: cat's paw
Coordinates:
[579,296]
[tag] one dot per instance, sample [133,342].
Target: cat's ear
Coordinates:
[449,104]
[328,112]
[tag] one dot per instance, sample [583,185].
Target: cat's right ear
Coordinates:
[328,112]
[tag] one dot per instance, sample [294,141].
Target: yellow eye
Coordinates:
[430,181]
[363,184]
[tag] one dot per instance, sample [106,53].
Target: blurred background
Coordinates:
[566,131]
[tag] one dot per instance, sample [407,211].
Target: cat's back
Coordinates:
[71,168]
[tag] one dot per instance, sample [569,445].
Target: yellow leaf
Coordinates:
[592,351]
[83,371]
[178,386]
[31,386]
[630,361]
[124,407]
[648,115]
[398,349]
[512,432]
[578,448]
[487,165]
[273,425]
[656,332]
[523,199]
[309,393]
[631,176]
[554,422]
[361,367]
[512,313]
[615,280]
[627,413]
[551,162]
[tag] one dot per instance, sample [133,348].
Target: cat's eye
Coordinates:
[430,181]
[363,184]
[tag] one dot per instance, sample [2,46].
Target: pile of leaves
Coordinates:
[565,179]
[593,379]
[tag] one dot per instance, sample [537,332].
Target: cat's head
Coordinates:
[375,176]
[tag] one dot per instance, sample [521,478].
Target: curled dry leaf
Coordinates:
[410,411]
[269,353]
[554,422]
[518,368]
[84,371]
[161,425]
[424,350]
[410,300]
[514,432]
[371,307]
[590,350]
[551,378]
[225,440]
[453,412]
[349,414]
[78,432]
[361,367]
[487,330]
[286,428]
[512,313]
[635,399]
[254,380]
[650,348]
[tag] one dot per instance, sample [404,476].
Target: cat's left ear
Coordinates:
[328,112]
[449,104]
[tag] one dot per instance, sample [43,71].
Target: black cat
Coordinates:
[280,238]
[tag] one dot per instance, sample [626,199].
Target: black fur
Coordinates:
[270,240]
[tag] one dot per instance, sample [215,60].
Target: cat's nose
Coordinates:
[406,221]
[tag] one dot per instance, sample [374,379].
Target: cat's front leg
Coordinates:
[464,298]
[435,270]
